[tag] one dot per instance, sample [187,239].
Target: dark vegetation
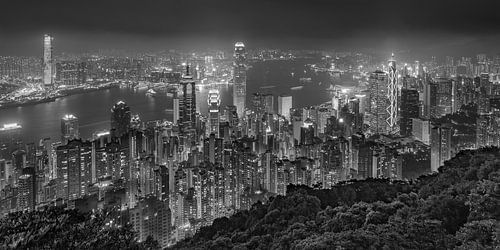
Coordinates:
[457,208]
[57,228]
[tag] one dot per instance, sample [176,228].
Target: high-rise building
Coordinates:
[26,193]
[214,110]
[444,95]
[69,128]
[71,73]
[441,148]
[48,63]
[263,103]
[175,109]
[187,101]
[392,94]
[379,102]
[120,119]
[74,166]
[152,217]
[487,131]
[421,130]
[409,109]
[10,139]
[240,78]
[284,106]
[430,99]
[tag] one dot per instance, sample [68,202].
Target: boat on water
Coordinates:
[268,87]
[151,93]
[141,86]
[297,88]
[305,80]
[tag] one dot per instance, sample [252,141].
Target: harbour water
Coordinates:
[93,108]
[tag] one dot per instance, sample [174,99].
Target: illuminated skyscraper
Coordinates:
[240,78]
[284,106]
[120,119]
[409,109]
[187,101]
[392,95]
[74,166]
[444,96]
[430,99]
[440,145]
[69,128]
[26,193]
[214,110]
[48,63]
[378,102]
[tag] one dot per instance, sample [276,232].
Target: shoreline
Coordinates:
[64,93]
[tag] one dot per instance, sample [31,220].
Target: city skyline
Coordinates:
[250,125]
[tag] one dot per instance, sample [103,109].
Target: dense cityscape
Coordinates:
[235,124]
[170,177]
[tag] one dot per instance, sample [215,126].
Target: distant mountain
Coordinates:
[459,207]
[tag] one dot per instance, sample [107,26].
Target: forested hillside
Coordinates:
[457,208]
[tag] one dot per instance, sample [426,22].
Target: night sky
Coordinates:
[421,25]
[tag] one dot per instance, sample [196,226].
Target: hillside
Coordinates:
[57,228]
[457,208]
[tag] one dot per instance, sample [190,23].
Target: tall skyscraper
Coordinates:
[48,63]
[421,130]
[187,101]
[392,94]
[284,106]
[26,193]
[430,99]
[214,110]
[378,102]
[409,109]
[440,145]
[444,96]
[69,128]
[263,103]
[240,78]
[74,166]
[120,119]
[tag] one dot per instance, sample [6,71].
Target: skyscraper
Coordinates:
[378,102]
[430,99]
[120,119]
[187,101]
[284,105]
[69,128]
[409,109]
[214,110]
[48,63]
[26,193]
[240,78]
[440,145]
[74,166]
[392,94]
[444,96]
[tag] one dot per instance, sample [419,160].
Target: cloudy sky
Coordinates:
[427,25]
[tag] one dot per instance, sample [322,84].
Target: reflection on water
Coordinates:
[93,109]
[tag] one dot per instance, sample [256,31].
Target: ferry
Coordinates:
[297,88]
[151,93]
[305,80]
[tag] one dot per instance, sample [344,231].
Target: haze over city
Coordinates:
[423,26]
[263,124]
